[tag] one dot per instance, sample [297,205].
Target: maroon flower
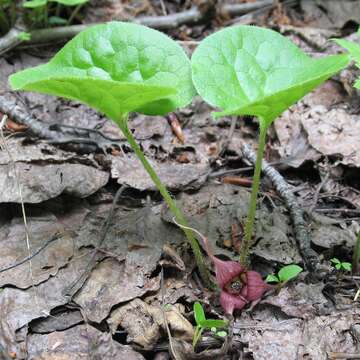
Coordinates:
[238,285]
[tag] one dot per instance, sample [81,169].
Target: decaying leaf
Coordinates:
[299,300]
[41,229]
[215,209]
[19,307]
[174,175]
[78,343]
[143,323]
[292,339]
[110,283]
[45,172]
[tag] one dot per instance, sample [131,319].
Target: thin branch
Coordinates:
[302,235]
[28,258]
[196,15]
[75,138]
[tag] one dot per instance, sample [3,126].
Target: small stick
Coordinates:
[340,355]
[28,258]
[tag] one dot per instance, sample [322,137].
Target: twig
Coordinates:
[76,285]
[28,258]
[338,355]
[233,10]
[317,193]
[225,144]
[344,210]
[76,138]
[201,14]
[171,348]
[302,235]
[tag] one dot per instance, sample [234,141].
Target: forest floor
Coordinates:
[92,291]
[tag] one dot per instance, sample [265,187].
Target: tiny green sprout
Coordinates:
[119,68]
[24,36]
[40,10]
[220,333]
[285,274]
[32,4]
[248,70]
[340,265]
[202,324]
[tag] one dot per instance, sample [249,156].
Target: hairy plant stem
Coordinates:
[180,218]
[250,220]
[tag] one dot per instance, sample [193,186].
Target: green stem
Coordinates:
[74,13]
[170,202]
[250,220]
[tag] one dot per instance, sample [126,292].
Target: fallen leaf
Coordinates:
[78,343]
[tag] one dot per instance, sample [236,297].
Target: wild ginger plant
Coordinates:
[247,70]
[118,68]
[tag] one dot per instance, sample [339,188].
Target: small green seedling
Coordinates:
[24,36]
[340,265]
[118,68]
[285,274]
[32,4]
[202,324]
[42,8]
[247,70]
[220,333]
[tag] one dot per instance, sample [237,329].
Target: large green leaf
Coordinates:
[116,68]
[247,70]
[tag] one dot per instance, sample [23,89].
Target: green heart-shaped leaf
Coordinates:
[116,68]
[247,70]
[289,272]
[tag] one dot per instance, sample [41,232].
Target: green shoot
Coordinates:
[203,324]
[285,274]
[341,265]
[247,70]
[39,15]
[118,68]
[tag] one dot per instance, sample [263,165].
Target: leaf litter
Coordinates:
[304,324]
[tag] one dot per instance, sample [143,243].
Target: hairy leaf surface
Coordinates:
[116,68]
[247,70]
